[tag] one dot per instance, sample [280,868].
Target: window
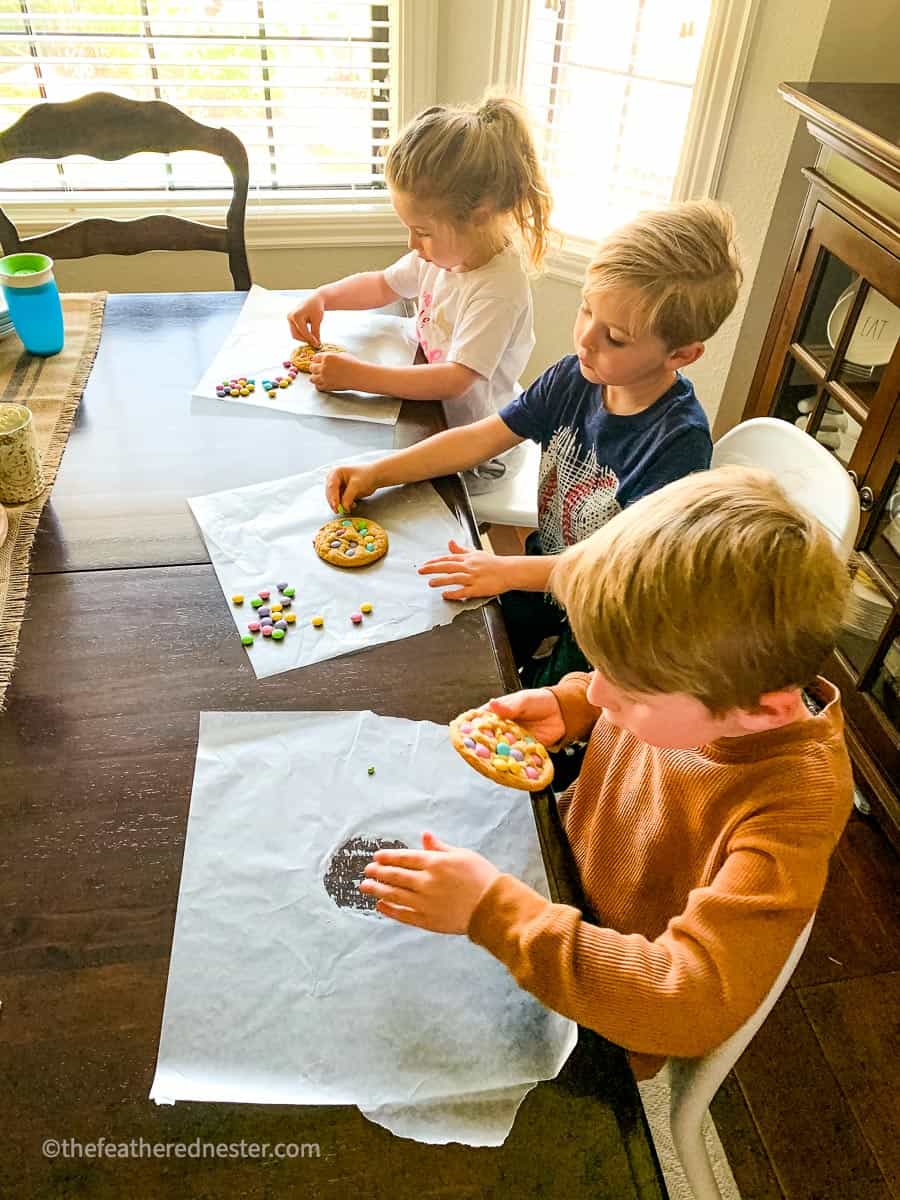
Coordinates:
[619,92]
[307,86]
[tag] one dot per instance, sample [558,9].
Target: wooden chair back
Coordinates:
[111,127]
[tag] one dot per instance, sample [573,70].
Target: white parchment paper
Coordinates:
[261,535]
[260,342]
[276,995]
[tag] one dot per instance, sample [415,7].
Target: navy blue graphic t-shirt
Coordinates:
[595,463]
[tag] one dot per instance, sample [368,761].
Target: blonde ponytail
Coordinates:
[458,158]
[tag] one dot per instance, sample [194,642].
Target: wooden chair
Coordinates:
[110,127]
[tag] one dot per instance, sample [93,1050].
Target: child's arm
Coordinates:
[421,381]
[472,573]
[682,993]
[368,289]
[443,454]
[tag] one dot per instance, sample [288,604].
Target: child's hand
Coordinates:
[436,888]
[345,485]
[332,372]
[306,319]
[536,709]
[469,573]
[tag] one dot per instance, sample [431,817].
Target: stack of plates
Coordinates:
[869,609]
[6,325]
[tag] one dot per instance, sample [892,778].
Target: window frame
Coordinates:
[280,219]
[719,77]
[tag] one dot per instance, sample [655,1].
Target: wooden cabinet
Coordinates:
[830,362]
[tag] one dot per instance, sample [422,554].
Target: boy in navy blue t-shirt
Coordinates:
[615,420]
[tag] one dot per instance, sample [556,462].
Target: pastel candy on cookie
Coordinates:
[532,773]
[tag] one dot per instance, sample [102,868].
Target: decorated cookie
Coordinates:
[302,355]
[348,868]
[351,542]
[501,750]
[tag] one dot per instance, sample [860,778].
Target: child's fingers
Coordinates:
[438,564]
[430,842]
[508,706]
[455,548]
[384,891]
[400,877]
[406,916]
[447,581]
[415,860]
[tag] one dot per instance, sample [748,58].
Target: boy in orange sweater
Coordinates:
[715,785]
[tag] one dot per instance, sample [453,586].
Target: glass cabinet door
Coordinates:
[838,378]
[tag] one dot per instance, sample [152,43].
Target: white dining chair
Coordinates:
[514,502]
[694,1081]
[812,476]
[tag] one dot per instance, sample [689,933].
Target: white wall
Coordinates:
[859,43]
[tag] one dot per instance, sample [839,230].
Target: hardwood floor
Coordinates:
[811,1110]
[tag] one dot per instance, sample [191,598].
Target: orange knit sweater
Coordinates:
[704,864]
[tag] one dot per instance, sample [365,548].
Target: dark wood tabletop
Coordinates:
[125,641]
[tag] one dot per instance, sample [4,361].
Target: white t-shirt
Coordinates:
[481,319]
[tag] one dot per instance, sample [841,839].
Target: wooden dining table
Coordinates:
[126,640]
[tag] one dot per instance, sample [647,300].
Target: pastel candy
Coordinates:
[256,602]
[532,773]
[267,630]
[264,595]
[535,761]
[336,545]
[281,586]
[517,754]
[286,603]
[264,621]
[290,618]
[253,626]
[468,743]
[264,611]
[290,593]
[281,624]
[356,618]
[467,728]
[246,640]
[365,608]
[370,546]
[503,749]
[500,764]
[482,751]
[237,599]
[277,635]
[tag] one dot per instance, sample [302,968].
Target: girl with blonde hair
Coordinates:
[467,184]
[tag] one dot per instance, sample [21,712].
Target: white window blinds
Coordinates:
[304,85]
[609,86]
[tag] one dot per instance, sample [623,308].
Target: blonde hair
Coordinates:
[458,158]
[715,586]
[683,263]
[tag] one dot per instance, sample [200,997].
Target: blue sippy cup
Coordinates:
[33,299]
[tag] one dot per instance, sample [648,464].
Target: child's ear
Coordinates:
[685,355]
[482,214]
[774,710]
